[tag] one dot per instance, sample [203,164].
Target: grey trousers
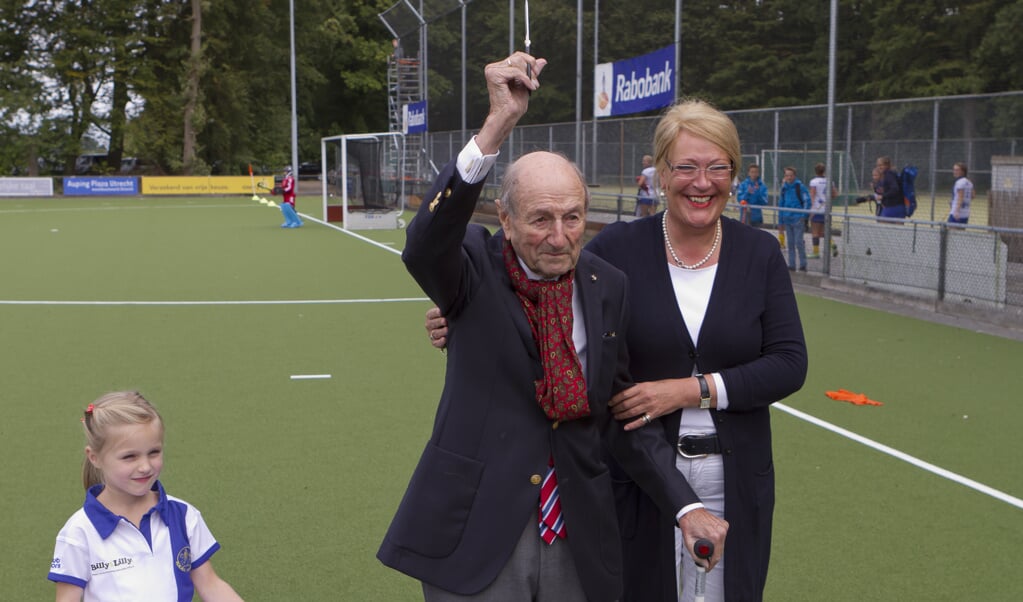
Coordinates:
[536,572]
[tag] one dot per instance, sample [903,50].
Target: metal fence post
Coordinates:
[942,260]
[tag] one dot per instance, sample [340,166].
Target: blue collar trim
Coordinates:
[106,521]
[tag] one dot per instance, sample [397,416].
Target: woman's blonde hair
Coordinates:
[119,408]
[699,118]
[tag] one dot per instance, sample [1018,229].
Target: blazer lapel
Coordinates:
[590,289]
[512,304]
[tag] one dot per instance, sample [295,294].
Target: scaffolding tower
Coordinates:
[407,76]
[405,86]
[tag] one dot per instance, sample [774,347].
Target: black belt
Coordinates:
[698,446]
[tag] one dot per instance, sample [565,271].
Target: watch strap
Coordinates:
[704,392]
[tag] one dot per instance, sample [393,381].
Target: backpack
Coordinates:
[907,181]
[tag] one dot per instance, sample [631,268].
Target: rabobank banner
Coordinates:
[100,185]
[414,117]
[633,85]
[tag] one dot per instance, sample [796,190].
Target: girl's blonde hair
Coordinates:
[119,408]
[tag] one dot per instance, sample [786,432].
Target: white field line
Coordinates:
[957,478]
[351,233]
[310,376]
[941,472]
[246,302]
[117,208]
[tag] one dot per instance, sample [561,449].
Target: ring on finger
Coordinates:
[508,61]
[646,418]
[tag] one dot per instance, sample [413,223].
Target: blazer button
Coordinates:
[555,425]
[535,479]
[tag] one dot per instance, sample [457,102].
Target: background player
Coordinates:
[291,219]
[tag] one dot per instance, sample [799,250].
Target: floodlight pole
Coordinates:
[832,43]
[511,51]
[463,73]
[578,80]
[294,114]
[596,51]
[678,49]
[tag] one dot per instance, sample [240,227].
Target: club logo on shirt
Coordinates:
[183,559]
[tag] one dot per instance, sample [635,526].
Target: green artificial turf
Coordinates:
[298,479]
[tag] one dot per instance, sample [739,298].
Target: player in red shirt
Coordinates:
[291,219]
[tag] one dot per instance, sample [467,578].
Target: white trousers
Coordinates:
[707,478]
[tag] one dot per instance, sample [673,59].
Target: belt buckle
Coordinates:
[681,452]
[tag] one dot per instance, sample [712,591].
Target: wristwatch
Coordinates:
[704,392]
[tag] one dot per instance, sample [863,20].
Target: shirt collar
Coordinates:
[533,275]
[106,521]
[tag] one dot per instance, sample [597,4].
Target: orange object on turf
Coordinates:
[856,398]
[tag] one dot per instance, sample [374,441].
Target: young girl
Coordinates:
[130,540]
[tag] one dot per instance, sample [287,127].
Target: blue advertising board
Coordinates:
[414,118]
[633,85]
[100,185]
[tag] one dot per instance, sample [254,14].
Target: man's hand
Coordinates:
[509,88]
[437,328]
[701,523]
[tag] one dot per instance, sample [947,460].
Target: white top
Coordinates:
[114,561]
[964,186]
[692,291]
[650,174]
[818,194]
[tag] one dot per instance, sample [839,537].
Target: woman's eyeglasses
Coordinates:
[685,171]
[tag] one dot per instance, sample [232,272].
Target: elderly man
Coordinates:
[511,499]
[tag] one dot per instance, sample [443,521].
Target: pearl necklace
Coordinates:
[678,262]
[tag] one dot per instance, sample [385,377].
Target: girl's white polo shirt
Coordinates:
[113,560]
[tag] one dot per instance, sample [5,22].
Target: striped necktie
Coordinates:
[552,524]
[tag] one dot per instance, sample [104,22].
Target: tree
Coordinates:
[192,98]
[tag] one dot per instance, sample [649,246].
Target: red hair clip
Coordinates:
[89,409]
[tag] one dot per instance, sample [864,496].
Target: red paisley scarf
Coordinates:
[561,393]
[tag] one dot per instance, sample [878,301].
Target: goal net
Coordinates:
[774,162]
[364,188]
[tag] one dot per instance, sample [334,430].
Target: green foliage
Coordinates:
[923,49]
[74,71]
[998,53]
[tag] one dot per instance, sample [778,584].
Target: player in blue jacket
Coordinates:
[794,195]
[753,190]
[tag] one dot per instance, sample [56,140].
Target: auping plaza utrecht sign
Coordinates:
[633,85]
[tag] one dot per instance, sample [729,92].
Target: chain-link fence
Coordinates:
[981,264]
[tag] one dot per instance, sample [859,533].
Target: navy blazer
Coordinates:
[751,335]
[477,483]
